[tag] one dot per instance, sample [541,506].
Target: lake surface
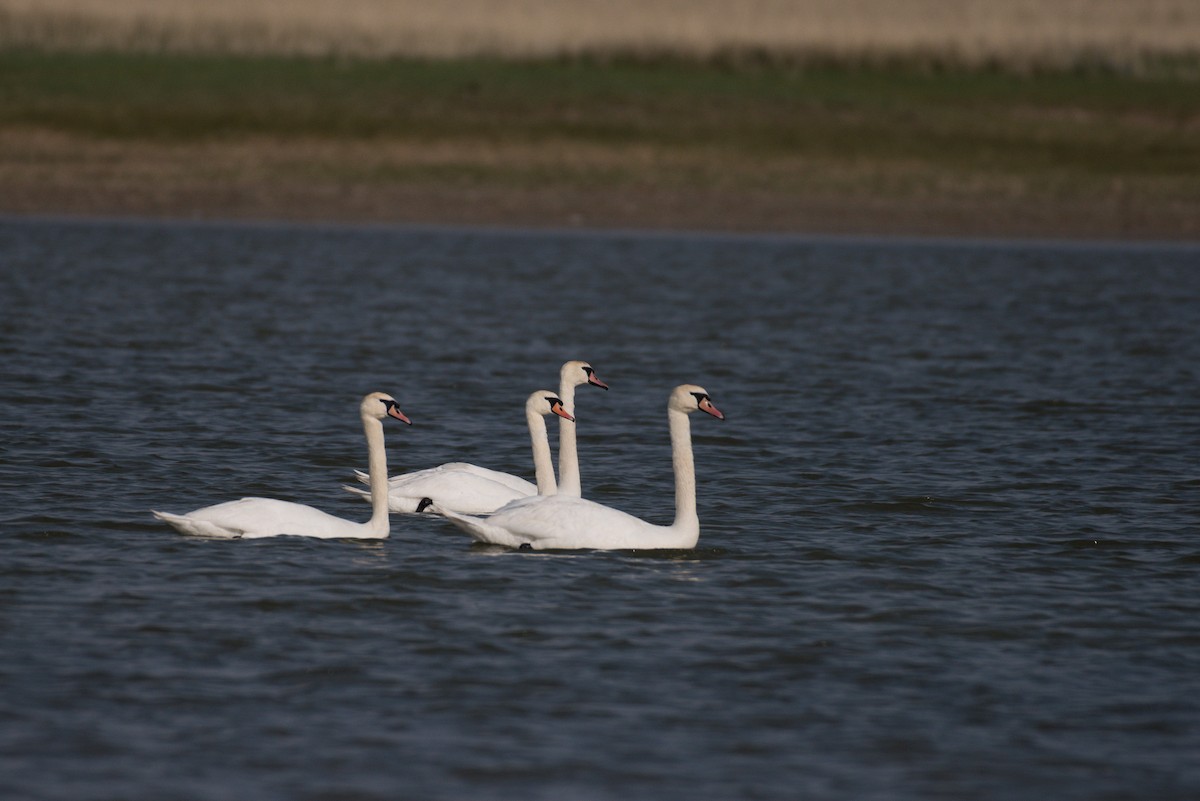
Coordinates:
[950,538]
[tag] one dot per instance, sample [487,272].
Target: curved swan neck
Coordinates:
[543,463]
[685,470]
[377,469]
[569,482]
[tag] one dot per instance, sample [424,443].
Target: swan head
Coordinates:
[545,402]
[379,405]
[577,373]
[688,398]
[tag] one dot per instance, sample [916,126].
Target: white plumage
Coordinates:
[470,489]
[266,517]
[563,522]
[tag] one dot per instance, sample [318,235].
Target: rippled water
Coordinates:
[949,531]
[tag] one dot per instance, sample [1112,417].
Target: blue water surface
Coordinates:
[949,539]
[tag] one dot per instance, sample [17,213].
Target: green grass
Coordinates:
[1095,123]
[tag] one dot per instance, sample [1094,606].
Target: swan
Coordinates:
[266,517]
[572,374]
[564,522]
[469,489]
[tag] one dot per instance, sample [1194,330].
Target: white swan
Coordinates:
[469,489]
[563,522]
[265,517]
[572,374]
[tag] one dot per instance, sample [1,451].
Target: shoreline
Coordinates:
[717,235]
[669,146]
[645,210]
[353,182]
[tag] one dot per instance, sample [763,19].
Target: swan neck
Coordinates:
[569,482]
[377,470]
[685,470]
[543,463]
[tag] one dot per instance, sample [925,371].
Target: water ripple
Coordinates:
[947,540]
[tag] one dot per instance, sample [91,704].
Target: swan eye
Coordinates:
[555,402]
[589,371]
[700,397]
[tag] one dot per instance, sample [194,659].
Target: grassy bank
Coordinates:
[1125,143]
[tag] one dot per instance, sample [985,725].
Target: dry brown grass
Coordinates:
[1013,33]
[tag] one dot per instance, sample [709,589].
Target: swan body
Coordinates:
[454,485]
[250,518]
[565,522]
[470,489]
[266,517]
[560,522]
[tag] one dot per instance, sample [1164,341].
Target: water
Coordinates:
[949,530]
